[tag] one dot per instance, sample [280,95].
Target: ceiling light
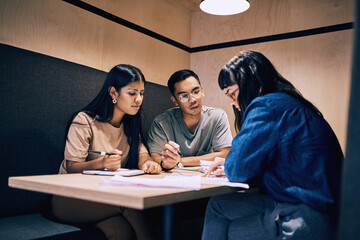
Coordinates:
[224,7]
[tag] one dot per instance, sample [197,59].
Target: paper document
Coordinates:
[174,180]
[194,168]
[206,164]
[222,181]
[121,171]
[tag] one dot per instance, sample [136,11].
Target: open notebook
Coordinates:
[121,171]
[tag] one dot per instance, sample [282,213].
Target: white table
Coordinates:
[90,188]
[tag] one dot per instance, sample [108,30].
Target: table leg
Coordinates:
[168,221]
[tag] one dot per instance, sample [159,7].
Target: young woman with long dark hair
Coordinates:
[110,123]
[285,148]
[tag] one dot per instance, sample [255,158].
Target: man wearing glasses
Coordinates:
[189,132]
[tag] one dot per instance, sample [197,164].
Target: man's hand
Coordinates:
[170,155]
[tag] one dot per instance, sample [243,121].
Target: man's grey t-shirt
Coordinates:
[211,134]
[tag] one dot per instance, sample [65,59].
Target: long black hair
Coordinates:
[255,76]
[102,108]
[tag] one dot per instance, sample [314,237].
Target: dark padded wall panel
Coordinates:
[156,101]
[38,94]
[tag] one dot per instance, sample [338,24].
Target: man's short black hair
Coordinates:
[180,76]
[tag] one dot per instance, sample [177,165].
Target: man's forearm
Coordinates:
[195,161]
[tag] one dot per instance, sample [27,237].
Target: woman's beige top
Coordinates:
[85,134]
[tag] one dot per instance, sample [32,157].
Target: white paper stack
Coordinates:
[174,180]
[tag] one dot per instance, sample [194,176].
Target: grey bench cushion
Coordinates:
[36,226]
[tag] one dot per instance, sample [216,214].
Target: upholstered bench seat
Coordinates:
[37,226]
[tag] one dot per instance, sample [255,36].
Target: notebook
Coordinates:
[121,171]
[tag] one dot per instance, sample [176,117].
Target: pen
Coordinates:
[101,153]
[176,147]
[180,153]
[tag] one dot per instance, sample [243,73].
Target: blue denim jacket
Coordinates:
[289,151]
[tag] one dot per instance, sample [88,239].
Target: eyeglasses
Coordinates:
[232,95]
[185,97]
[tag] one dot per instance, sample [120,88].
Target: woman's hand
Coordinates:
[112,162]
[217,167]
[151,166]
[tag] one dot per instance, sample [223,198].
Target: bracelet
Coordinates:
[163,168]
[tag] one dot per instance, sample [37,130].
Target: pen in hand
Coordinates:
[177,148]
[110,161]
[100,153]
[179,152]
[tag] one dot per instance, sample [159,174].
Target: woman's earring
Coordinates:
[114,101]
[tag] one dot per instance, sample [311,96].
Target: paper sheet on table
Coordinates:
[206,164]
[174,180]
[222,181]
[213,180]
[193,168]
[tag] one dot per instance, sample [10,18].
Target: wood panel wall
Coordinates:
[319,65]
[59,29]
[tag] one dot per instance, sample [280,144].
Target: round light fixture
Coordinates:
[224,7]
